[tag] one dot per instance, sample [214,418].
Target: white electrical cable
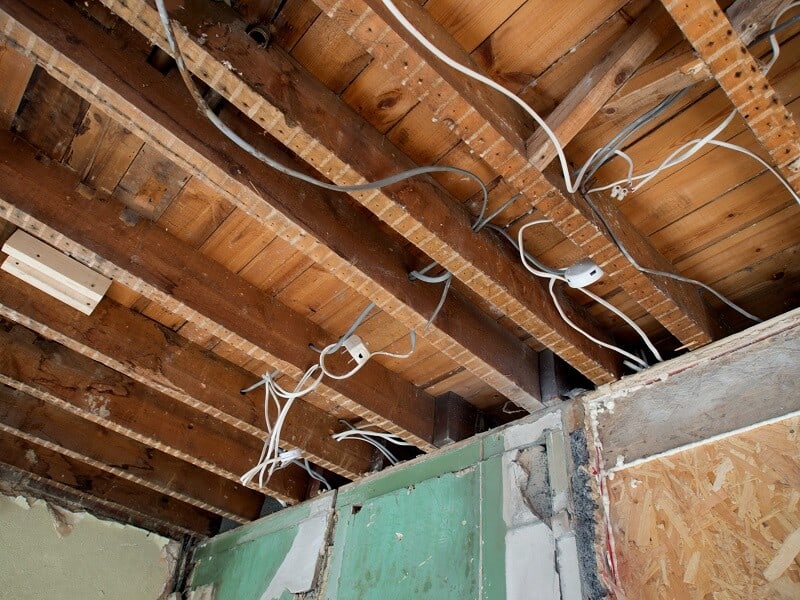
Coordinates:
[773,40]
[372,437]
[596,298]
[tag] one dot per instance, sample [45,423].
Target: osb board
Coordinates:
[720,520]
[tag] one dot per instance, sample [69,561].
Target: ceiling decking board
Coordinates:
[365,259]
[714,39]
[62,478]
[571,115]
[153,356]
[72,382]
[674,72]
[41,423]
[334,143]
[676,305]
[145,258]
[15,72]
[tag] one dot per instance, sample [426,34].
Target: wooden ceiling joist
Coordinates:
[575,111]
[677,306]
[333,234]
[138,347]
[72,382]
[716,41]
[14,73]
[150,261]
[299,111]
[28,468]
[43,424]
[651,84]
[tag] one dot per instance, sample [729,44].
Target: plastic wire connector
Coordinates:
[357,349]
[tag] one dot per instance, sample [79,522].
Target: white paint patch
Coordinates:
[516,511]
[527,434]
[530,564]
[98,406]
[299,567]
[30,456]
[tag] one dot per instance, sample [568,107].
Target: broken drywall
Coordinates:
[49,552]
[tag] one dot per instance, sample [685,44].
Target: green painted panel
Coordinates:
[419,541]
[493,528]
[243,572]
[402,476]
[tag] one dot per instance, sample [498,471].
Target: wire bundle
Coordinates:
[373,438]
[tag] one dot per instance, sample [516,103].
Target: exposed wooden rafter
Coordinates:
[155,356]
[677,306]
[299,111]
[599,84]
[41,423]
[334,235]
[72,382]
[713,37]
[147,259]
[671,74]
[28,468]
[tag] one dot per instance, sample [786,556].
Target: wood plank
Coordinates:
[677,306]
[90,390]
[181,280]
[26,467]
[571,115]
[41,423]
[339,236]
[652,84]
[711,34]
[421,212]
[15,72]
[49,115]
[152,355]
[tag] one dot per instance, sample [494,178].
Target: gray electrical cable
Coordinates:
[253,151]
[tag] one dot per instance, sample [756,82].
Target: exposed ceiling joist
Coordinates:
[713,37]
[150,261]
[138,347]
[671,74]
[72,382]
[43,424]
[599,84]
[677,306]
[334,235]
[299,111]
[14,74]
[27,468]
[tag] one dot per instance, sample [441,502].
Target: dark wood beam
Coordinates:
[677,306]
[72,382]
[584,101]
[338,233]
[30,469]
[299,111]
[169,272]
[41,423]
[157,357]
[714,39]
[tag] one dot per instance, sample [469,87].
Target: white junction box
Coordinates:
[53,272]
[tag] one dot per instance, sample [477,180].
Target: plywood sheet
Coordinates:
[719,520]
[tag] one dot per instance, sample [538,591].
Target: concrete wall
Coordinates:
[48,554]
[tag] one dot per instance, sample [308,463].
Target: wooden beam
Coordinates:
[159,358]
[713,37]
[590,94]
[72,382]
[652,84]
[15,72]
[316,124]
[338,234]
[41,423]
[677,306]
[169,272]
[27,468]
